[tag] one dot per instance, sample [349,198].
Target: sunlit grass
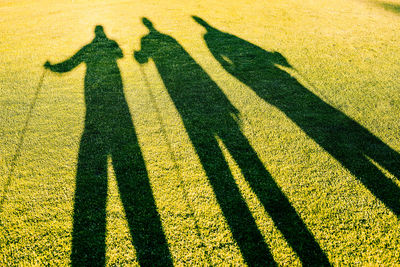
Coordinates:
[346,52]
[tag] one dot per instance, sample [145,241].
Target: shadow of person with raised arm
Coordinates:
[109,133]
[209,117]
[346,140]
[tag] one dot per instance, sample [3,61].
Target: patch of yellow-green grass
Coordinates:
[346,52]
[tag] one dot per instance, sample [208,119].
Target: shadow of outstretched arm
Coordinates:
[109,135]
[68,64]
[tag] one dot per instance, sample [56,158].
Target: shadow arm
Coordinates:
[142,55]
[117,50]
[68,64]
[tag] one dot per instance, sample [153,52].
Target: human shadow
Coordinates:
[347,141]
[109,133]
[209,117]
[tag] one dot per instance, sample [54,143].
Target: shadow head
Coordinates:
[202,23]
[99,31]
[148,23]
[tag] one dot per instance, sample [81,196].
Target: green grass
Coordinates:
[344,53]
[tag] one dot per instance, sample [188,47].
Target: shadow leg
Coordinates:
[138,200]
[89,226]
[384,155]
[236,212]
[274,201]
[381,186]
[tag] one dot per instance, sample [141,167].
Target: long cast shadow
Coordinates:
[109,133]
[208,116]
[346,140]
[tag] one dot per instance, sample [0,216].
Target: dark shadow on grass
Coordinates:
[395,8]
[208,116]
[346,140]
[109,133]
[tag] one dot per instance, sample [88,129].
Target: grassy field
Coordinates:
[261,133]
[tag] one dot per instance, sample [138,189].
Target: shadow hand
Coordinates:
[47,65]
[139,57]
